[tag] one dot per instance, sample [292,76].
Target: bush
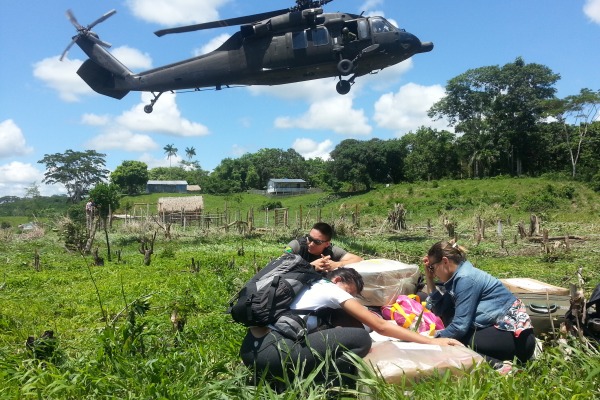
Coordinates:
[271,205]
[5,225]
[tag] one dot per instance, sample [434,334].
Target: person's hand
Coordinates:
[447,342]
[428,273]
[321,264]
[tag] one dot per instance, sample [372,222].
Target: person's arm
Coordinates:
[429,277]
[293,247]
[341,258]
[466,299]
[384,327]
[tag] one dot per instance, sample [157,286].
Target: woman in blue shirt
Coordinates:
[487,317]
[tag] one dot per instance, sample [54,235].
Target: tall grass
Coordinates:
[112,326]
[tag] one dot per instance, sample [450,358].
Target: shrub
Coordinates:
[271,205]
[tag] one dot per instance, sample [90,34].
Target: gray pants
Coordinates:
[280,357]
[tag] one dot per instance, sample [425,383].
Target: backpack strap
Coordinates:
[271,298]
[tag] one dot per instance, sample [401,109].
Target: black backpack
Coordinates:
[265,299]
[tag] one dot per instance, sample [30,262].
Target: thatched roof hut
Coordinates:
[180,204]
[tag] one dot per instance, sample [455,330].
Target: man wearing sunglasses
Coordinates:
[316,248]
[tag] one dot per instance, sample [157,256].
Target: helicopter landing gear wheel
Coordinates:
[343,87]
[345,66]
[150,107]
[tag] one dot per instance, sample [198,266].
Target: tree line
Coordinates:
[505,120]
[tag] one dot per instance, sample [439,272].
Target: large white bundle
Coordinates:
[405,362]
[385,280]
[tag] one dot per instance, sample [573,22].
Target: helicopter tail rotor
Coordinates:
[86,31]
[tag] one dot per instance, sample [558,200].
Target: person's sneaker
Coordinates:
[506,368]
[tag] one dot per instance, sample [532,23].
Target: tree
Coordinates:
[167,173]
[170,151]
[77,171]
[576,114]
[32,191]
[131,176]
[350,163]
[252,178]
[277,163]
[498,109]
[190,152]
[431,155]
[106,197]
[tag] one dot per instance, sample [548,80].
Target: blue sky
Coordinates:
[47,108]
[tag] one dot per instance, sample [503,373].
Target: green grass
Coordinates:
[112,323]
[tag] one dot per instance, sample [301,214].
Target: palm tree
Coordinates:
[170,151]
[190,152]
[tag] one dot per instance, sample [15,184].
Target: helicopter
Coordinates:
[278,47]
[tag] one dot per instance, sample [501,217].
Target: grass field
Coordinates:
[113,335]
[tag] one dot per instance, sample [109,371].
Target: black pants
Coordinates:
[280,357]
[497,345]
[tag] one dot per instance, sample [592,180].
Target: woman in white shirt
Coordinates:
[266,350]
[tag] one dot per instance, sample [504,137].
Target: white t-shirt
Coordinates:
[322,294]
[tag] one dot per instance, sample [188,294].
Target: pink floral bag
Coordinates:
[407,310]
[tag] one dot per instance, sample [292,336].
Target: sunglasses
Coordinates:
[315,241]
[431,266]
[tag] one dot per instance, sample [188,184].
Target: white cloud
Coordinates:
[12,141]
[95,120]
[307,91]
[123,132]
[238,150]
[309,148]
[406,110]
[62,77]
[327,109]
[592,10]
[154,162]
[16,177]
[132,58]
[122,139]
[335,114]
[166,118]
[213,44]
[176,12]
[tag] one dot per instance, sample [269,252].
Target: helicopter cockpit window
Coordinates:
[320,36]
[299,40]
[379,25]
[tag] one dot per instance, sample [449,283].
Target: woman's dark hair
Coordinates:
[449,249]
[349,276]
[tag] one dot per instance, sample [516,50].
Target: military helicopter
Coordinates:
[295,44]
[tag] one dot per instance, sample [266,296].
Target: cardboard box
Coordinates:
[385,280]
[528,285]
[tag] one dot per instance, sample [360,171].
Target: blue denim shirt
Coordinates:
[479,300]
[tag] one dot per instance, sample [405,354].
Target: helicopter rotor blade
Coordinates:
[102,18]
[86,31]
[98,41]
[73,20]
[222,23]
[64,53]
